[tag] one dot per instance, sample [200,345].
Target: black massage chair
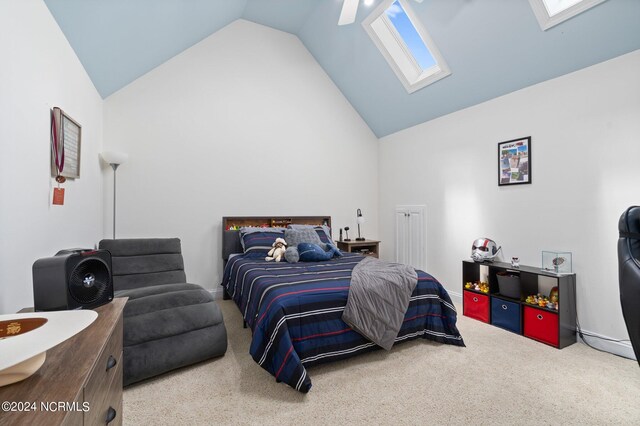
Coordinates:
[629,270]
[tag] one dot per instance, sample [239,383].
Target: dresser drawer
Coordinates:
[476,306]
[541,325]
[74,417]
[114,406]
[106,367]
[110,405]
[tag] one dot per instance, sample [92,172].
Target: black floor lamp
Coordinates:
[114,159]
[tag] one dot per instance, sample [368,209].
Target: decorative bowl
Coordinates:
[25,338]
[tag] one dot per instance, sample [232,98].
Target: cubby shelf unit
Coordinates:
[556,328]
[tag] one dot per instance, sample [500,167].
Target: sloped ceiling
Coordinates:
[493,47]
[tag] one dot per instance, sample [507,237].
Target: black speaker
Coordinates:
[72,279]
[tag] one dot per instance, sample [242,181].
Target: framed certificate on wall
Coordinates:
[66,142]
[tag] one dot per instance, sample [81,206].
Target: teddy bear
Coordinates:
[278,250]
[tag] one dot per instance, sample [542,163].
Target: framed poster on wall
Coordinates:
[65,145]
[514,162]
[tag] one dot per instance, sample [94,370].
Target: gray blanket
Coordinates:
[378,299]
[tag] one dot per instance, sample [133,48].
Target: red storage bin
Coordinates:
[476,306]
[541,325]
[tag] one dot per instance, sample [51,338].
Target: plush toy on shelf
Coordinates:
[478,286]
[278,250]
[541,301]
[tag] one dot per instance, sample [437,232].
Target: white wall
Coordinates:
[585,131]
[243,123]
[39,71]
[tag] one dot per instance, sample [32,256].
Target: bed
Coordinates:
[294,310]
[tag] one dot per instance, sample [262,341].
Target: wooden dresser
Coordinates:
[80,382]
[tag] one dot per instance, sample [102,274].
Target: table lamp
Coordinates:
[360,221]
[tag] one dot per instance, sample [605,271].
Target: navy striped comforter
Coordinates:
[294,311]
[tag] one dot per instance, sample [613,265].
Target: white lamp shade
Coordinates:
[114,157]
[360,220]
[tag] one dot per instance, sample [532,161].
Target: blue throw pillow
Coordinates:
[314,253]
[259,240]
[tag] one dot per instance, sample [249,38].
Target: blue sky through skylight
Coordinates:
[409,34]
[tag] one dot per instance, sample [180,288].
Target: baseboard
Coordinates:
[623,349]
[217,292]
[455,296]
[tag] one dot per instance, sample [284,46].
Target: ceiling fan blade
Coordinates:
[349,10]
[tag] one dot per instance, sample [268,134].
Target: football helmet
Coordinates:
[484,249]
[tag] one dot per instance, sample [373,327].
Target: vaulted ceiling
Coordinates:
[493,47]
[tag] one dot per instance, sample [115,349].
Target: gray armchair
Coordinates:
[168,323]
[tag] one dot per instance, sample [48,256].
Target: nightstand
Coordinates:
[366,247]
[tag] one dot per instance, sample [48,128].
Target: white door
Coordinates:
[402,236]
[411,236]
[417,238]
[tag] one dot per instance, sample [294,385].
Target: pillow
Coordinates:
[293,237]
[323,231]
[259,240]
[324,234]
[314,253]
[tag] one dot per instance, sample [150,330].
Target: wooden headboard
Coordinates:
[231,227]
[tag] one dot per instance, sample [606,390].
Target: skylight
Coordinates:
[556,6]
[553,12]
[406,45]
[410,36]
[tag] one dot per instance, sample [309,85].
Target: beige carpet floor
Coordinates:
[499,378]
